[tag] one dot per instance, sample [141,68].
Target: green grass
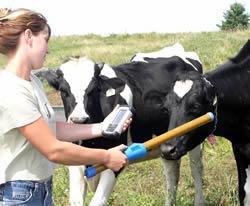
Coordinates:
[213,48]
[144,183]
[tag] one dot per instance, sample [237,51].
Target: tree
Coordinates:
[235,18]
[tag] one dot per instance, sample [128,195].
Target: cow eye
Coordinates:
[194,108]
[165,110]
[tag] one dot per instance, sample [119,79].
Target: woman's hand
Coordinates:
[109,118]
[127,124]
[116,158]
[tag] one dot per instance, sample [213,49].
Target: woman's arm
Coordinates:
[40,136]
[73,132]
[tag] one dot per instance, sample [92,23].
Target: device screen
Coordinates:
[119,116]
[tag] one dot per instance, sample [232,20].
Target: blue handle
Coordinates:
[90,172]
[134,151]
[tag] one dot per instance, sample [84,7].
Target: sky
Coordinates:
[105,17]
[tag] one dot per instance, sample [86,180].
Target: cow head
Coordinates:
[104,92]
[89,91]
[191,96]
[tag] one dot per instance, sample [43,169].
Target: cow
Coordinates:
[225,92]
[90,91]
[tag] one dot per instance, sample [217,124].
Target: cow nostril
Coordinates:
[165,110]
[86,119]
[168,150]
[172,150]
[79,120]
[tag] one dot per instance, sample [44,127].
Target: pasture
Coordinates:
[144,183]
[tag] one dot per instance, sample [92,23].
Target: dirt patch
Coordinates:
[54,97]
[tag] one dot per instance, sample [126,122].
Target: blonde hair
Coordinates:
[13,23]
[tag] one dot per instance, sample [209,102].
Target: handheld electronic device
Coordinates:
[115,126]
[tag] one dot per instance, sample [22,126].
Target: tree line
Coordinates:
[236,18]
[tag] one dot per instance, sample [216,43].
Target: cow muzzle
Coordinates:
[78,120]
[171,152]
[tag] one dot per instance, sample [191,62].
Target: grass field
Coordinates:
[144,183]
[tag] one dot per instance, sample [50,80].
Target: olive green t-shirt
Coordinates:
[22,102]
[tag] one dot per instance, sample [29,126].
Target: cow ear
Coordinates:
[116,84]
[210,92]
[98,68]
[52,76]
[101,65]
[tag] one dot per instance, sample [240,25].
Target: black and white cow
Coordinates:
[224,91]
[172,167]
[90,91]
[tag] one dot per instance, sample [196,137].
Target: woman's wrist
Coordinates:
[97,129]
[106,157]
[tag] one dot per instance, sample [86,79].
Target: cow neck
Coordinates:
[231,83]
[224,105]
[107,72]
[126,78]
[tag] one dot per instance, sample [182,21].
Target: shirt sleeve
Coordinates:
[18,109]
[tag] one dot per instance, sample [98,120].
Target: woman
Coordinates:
[31,142]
